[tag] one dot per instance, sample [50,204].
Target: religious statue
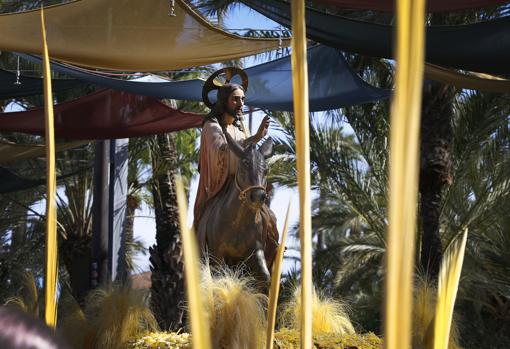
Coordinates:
[232,219]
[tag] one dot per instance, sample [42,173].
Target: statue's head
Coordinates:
[230,97]
[230,100]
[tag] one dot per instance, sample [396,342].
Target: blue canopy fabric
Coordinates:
[332,83]
[13,87]
[482,47]
[183,90]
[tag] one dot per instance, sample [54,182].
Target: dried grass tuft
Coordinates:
[328,315]
[236,311]
[424,313]
[110,319]
[27,298]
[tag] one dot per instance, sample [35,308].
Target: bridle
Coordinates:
[243,192]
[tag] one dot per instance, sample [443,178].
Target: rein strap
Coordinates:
[242,193]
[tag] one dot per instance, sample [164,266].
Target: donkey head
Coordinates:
[252,171]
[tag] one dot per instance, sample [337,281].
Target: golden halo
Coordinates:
[212,83]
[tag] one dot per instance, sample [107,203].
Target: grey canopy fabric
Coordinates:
[332,83]
[22,86]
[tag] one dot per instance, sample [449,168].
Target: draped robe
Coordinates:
[216,164]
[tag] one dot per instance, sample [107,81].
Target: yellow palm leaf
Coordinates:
[448,284]
[301,119]
[403,179]
[51,182]
[199,324]
[275,285]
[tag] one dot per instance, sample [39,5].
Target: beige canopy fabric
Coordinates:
[127,35]
[468,80]
[10,151]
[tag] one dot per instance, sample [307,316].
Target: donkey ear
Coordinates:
[267,148]
[235,147]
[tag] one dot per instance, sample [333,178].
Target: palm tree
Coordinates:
[351,209]
[167,292]
[478,200]
[21,236]
[435,169]
[169,152]
[75,222]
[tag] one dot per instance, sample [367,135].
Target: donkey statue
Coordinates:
[241,229]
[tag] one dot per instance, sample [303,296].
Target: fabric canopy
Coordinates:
[127,35]
[183,90]
[482,47]
[105,114]
[10,152]
[12,87]
[432,5]
[473,81]
[332,83]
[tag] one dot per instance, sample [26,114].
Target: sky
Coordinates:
[239,17]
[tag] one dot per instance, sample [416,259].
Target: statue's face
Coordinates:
[235,103]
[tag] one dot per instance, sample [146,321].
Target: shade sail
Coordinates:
[127,35]
[481,47]
[432,5]
[332,83]
[473,81]
[183,90]
[105,114]
[12,87]
[10,152]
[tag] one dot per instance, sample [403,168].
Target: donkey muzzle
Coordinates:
[258,197]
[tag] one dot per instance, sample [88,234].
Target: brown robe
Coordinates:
[217,162]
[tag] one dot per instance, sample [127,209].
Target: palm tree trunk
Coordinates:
[435,170]
[167,292]
[77,258]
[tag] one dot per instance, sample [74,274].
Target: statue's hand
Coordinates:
[264,126]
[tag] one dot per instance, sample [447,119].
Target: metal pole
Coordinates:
[99,268]
[117,211]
